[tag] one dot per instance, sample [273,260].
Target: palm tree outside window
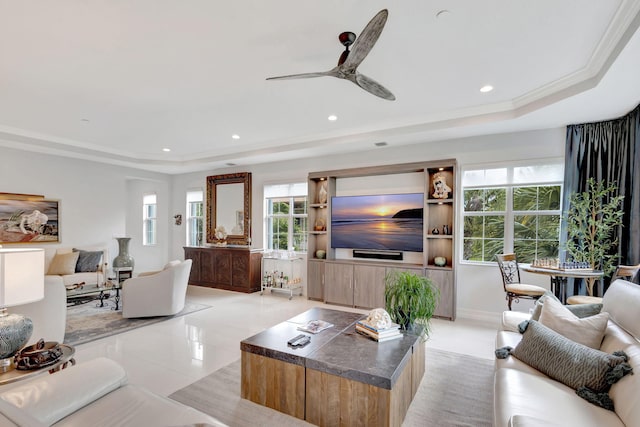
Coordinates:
[512,209]
[286,217]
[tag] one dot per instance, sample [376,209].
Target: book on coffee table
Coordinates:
[387,335]
[315,326]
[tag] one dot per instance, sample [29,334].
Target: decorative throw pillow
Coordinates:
[88,261]
[537,310]
[580,310]
[586,370]
[63,264]
[585,310]
[588,331]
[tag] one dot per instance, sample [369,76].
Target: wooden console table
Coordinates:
[234,268]
[339,378]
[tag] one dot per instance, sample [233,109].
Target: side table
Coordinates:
[123,273]
[14,375]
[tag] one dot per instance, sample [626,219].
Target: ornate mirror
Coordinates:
[229,206]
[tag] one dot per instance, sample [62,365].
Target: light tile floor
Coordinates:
[172,354]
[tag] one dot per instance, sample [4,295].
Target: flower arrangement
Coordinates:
[220,235]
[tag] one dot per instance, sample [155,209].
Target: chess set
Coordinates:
[555,264]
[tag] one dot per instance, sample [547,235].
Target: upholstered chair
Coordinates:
[160,293]
[626,272]
[49,315]
[515,289]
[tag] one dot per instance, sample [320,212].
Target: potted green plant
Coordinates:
[411,300]
[592,219]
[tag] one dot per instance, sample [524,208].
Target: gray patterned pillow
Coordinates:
[573,364]
[88,261]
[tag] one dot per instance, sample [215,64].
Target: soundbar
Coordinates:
[393,255]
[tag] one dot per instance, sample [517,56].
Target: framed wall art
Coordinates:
[26,218]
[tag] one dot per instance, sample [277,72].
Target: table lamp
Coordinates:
[21,282]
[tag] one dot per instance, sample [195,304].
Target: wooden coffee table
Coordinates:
[339,378]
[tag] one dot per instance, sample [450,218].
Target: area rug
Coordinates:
[87,322]
[456,391]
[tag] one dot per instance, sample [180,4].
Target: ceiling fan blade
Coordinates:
[301,76]
[372,86]
[364,43]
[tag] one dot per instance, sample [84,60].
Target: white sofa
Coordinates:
[160,293]
[92,393]
[523,396]
[97,275]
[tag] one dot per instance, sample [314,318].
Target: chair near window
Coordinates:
[515,289]
[626,272]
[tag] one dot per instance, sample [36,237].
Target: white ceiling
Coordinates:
[117,81]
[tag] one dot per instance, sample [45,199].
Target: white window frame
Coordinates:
[292,190]
[195,197]
[509,184]
[149,223]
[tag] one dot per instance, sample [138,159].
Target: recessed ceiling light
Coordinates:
[235,136]
[486,88]
[230,164]
[380,144]
[166,150]
[332,118]
[84,120]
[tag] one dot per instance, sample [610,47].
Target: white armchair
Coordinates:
[159,294]
[49,315]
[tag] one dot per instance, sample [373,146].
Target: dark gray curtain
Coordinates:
[609,151]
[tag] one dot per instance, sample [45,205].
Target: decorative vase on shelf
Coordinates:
[322,193]
[123,259]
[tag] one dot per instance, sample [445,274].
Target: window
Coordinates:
[286,217]
[515,208]
[149,220]
[195,218]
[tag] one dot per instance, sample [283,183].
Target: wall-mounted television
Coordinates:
[391,222]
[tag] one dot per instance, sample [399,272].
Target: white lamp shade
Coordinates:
[21,276]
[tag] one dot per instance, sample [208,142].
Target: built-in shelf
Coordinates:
[352,281]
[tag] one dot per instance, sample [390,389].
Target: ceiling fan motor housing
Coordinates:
[347,38]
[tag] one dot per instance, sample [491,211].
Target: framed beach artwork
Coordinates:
[26,218]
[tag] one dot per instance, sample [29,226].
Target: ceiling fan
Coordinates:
[351,59]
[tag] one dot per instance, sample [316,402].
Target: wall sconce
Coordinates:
[178,219]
